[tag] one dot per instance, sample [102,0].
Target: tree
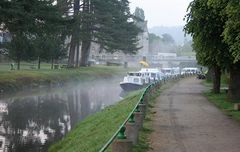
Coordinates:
[186,49]
[139,14]
[28,20]
[206,31]
[108,23]
[20,48]
[167,38]
[153,37]
[49,48]
[230,10]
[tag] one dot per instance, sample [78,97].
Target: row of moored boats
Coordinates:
[140,79]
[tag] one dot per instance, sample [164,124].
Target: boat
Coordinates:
[138,80]
[152,74]
[133,81]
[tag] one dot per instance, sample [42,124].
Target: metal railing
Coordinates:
[120,132]
[149,90]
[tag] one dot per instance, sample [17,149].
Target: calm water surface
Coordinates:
[30,122]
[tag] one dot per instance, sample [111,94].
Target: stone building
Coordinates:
[101,55]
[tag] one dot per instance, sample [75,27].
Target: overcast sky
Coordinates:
[162,12]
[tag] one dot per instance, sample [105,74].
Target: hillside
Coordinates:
[175,31]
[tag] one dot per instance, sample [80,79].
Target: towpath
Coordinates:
[186,122]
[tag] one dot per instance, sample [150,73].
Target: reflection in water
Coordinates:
[32,123]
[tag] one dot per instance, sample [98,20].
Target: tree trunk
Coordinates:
[209,75]
[52,64]
[18,64]
[216,79]
[75,33]
[77,57]
[72,52]
[234,83]
[39,62]
[86,27]
[85,53]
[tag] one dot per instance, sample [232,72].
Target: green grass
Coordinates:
[24,66]
[92,133]
[221,101]
[12,80]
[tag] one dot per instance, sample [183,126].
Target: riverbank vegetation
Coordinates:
[13,80]
[93,132]
[223,103]
[221,100]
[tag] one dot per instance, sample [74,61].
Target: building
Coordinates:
[143,39]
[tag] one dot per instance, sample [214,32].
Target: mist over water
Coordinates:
[33,122]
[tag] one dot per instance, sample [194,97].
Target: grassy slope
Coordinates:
[92,133]
[15,80]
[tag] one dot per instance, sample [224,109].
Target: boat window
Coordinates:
[134,74]
[135,80]
[153,74]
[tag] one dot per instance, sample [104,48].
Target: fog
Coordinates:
[46,115]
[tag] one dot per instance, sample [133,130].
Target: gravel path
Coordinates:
[186,122]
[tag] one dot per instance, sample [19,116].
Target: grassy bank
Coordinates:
[13,80]
[221,101]
[92,133]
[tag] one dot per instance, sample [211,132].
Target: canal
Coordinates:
[30,121]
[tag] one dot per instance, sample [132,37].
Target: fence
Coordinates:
[127,134]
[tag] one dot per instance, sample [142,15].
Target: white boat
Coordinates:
[133,81]
[189,70]
[152,74]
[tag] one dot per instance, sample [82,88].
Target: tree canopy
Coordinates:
[139,14]
[46,24]
[28,21]
[214,27]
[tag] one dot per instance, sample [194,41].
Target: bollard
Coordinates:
[146,98]
[142,108]
[122,144]
[138,118]
[237,106]
[132,130]
[154,88]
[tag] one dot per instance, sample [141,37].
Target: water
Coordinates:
[31,121]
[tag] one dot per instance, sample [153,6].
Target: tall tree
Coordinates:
[26,20]
[139,14]
[230,10]
[206,25]
[108,23]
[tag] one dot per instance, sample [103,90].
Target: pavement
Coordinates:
[185,121]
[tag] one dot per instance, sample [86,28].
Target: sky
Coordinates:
[162,12]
